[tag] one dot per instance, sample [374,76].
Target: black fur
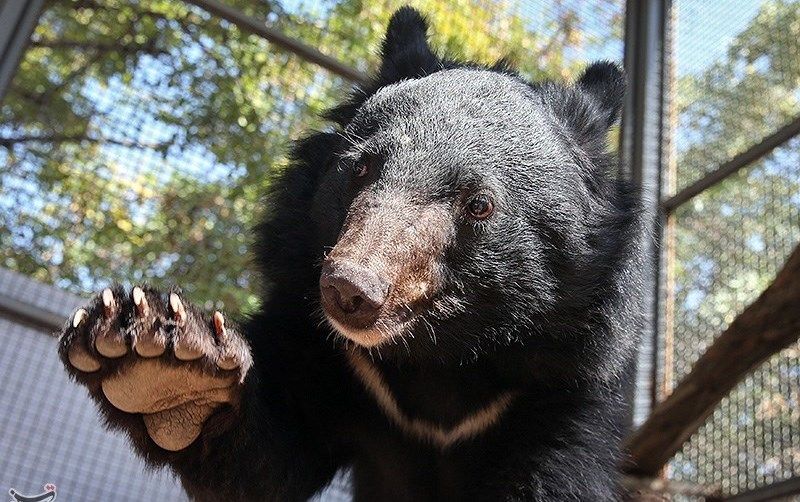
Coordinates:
[541,299]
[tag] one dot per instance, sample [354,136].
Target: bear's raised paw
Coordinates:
[153,355]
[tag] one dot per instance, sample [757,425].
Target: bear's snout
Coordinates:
[385,268]
[351,293]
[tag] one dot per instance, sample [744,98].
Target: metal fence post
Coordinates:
[17,21]
[641,153]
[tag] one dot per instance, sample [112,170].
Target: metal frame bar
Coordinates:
[773,491]
[18,18]
[641,149]
[31,315]
[21,301]
[305,51]
[668,487]
[731,167]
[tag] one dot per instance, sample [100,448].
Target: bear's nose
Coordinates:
[353,294]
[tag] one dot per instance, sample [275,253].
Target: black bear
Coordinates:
[450,304]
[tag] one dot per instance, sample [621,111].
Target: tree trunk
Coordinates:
[767,326]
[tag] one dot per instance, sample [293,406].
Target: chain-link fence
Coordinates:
[736,69]
[137,136]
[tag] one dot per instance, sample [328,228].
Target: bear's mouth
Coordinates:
[391,322]
[378,334]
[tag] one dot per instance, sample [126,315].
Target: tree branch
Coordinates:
[78,138]
[767,326]
[651,489]
[148,48]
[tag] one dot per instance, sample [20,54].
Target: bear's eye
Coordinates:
[480,207]
[364,166]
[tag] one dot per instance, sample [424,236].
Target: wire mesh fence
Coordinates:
[737,72]
[137,136]
[49,429]
[737,79]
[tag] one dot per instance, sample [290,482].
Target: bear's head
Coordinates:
[461,210]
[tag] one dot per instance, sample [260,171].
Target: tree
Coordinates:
[730,240]
[138,136]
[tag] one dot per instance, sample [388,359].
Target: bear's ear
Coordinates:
[604,82]
[405,51]
[405,54]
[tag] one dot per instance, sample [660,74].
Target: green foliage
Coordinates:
[731,240]
[743,97]
[138,135]
[751,218]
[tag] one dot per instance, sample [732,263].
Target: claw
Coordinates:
[108,302]
[80,315]
[219,325]
[140,300]
[227,362]
[176,305]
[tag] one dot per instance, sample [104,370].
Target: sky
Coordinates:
[705,28]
